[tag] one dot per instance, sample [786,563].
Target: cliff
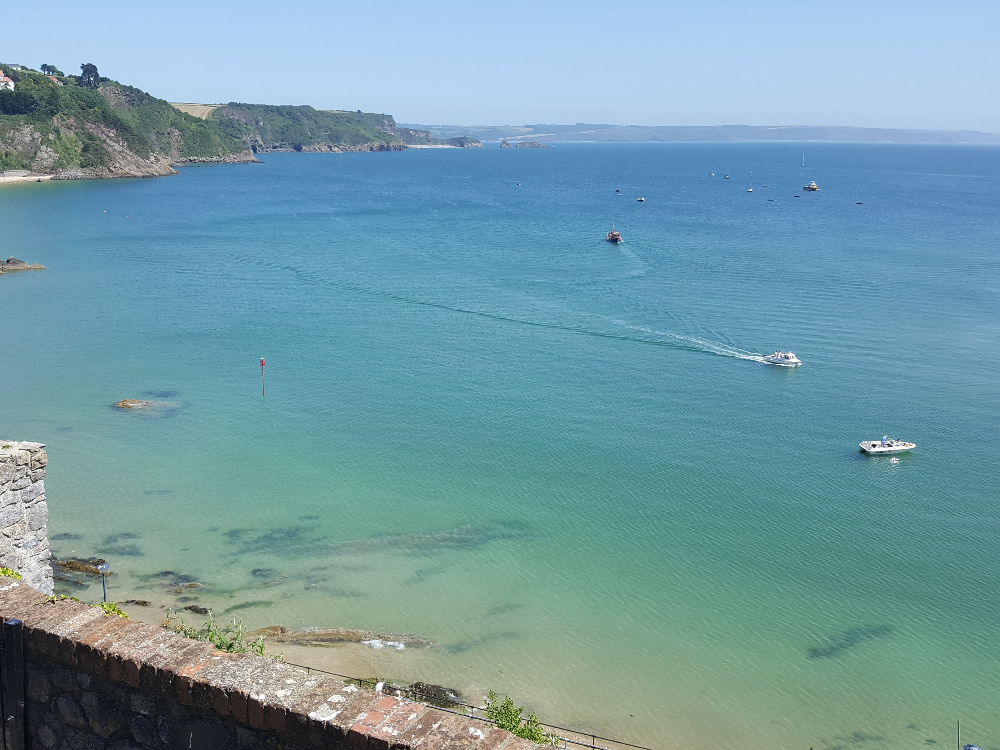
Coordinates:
[267,128]
[69,131]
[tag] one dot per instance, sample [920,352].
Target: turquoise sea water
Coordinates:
[556,458]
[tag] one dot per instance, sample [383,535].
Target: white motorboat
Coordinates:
[785,359]
[885,446]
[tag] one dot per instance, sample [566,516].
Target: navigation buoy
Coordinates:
[261,376]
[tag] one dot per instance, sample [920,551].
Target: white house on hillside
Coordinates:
[5,83]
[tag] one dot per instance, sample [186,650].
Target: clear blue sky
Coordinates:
[808,62]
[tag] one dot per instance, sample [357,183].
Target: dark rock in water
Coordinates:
[436,695]
[196,609]
[264,573]
[88,566]
[139,602]
[532,144]
[124,536]
[504,143]
[65,537]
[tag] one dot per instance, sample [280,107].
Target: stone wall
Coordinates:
[100,682]
[24,516]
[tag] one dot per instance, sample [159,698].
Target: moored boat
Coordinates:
[812,187]
[785,359]
[885,446]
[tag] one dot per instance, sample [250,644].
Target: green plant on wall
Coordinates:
[231,637]
[111,608]
[506,716]
[10,573]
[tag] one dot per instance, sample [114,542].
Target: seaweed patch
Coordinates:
[849,639]
[249,605]
[303,540]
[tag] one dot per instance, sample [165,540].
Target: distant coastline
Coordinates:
[583,132]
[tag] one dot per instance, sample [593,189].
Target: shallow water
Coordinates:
[556,458]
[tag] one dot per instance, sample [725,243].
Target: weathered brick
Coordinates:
[238,700]
[276,718]
[255,713]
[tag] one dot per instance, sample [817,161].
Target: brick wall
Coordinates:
[24,515]
[99,682]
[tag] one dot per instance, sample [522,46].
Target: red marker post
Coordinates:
[261,376]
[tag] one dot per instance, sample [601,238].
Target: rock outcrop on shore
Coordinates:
[326,636]
[504,143]
[13,264]
[532,144]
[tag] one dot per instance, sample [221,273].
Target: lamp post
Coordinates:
[103,567]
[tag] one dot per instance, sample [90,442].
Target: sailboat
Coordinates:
[803,160]
[750,189]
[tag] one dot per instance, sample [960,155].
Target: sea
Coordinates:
[560,460]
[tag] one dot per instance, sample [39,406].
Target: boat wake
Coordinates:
[612,328]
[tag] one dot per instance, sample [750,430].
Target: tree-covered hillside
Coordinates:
[91,126]
[302,128]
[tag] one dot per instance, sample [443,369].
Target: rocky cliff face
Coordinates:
[62,152]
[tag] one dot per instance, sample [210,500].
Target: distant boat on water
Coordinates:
[750,189]
[803,160]
[614,236]
[641,200]
[812,187]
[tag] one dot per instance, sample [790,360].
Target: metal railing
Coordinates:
[468,710]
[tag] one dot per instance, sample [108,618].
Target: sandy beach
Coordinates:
[4,180]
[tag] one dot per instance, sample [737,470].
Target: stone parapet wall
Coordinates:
[100,682]
[24,515]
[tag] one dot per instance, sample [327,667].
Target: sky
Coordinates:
[924,65]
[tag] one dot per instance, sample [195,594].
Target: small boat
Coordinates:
[784,359]
[614,236]
[640,200]
[617,190]
[812,187]
[726,177]
[803,160]
[711,174]
[885,446]
[750,189]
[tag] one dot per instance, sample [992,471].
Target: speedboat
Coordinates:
[641,200]
[812,187]
[614,236]
[885,446]
[785,359]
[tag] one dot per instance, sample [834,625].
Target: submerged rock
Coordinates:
[532,144]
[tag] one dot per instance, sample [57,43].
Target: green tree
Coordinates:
[507,716]
[88,75]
